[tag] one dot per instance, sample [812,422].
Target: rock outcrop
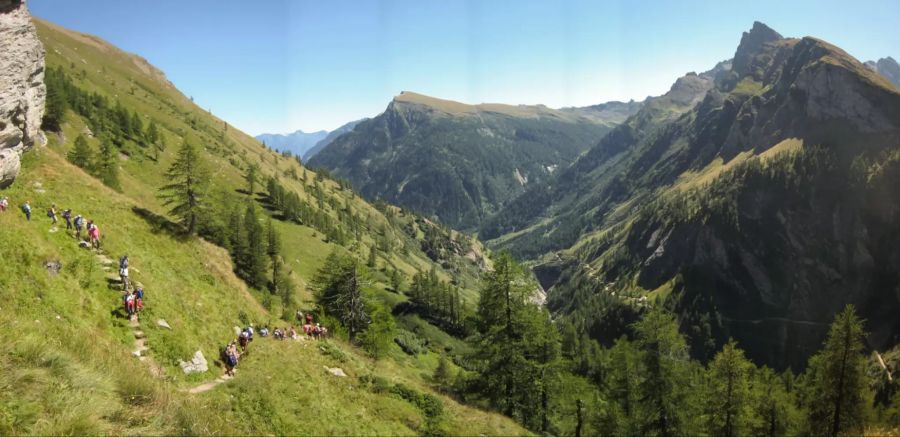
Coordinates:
[197,364]
[22,90]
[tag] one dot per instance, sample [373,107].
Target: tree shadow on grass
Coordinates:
[161,224]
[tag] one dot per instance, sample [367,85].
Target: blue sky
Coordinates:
[278,66]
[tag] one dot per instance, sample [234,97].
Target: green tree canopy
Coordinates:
[186,192]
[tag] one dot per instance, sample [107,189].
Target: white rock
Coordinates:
[197,364]
[163,324]
[336,371]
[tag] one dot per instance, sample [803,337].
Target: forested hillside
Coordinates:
[221,233]
[756,211]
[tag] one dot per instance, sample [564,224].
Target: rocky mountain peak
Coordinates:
[22,90]
[752,43]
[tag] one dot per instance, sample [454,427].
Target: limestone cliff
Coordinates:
[22,90]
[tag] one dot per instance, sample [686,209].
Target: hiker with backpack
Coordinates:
[79,224]
[123,271]
[52,213]
[67,215]
[139,299]
[4,203]
[230,357]
[94,234]
[26,209]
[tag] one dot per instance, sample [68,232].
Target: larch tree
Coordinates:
[81,153]
[107,165]
[186,192]
[836,403]
[727,400]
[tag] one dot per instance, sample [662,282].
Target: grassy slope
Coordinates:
[67,366]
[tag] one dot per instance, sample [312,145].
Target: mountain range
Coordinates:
[298,142]
[729,199]
[755,203]
[461,163]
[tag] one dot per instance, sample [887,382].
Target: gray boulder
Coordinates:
[197,364]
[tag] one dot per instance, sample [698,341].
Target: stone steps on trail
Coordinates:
[209,385]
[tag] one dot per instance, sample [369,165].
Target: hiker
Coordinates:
[244,340]
[4,203]
[67,215]
[264,331]
[278,334]
[128,301]
[123,274]
[299,316]
[317,331]
[309,318]
[52,213]
[139,299]
[292,333]
[79,224]
[94,234]
[123,271]
[26,208]
[323,332]
[230,357]
[308,330]
[249,330]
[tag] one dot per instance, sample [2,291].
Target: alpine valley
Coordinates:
[718,260]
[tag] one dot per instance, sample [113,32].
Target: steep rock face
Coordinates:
[22,90]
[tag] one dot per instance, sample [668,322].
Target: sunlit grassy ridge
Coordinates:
[67,367]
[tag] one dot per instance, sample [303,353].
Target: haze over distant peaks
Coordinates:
[888,68]
[298,142]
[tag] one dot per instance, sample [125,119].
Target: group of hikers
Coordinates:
[232,352]
[133,299]
[76,223]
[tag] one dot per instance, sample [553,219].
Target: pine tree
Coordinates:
[273,249]
[81,153]
[373,257]
[442,376]
[773,409]
[55,103]
[379,335]
[662,409]
[837,378]
[729,373]
[339,292]
[186,192]
[107,165]
[517,344]
[152,134]
[137,125]
[255,259]
[396,281]
[622,382]
[251,177]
